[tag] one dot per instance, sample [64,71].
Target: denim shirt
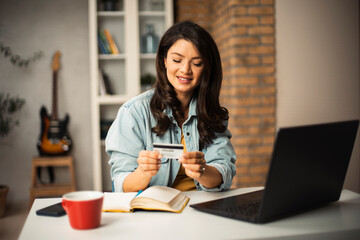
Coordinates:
[131,132]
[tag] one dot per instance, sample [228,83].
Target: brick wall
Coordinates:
[244,32]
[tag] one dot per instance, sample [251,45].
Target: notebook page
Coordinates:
[118,201]
[160,193]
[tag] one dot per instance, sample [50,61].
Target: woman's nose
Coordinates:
[185,68]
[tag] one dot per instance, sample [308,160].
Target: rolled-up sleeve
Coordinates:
[221,155]
[123,143]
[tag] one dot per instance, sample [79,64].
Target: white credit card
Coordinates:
[168,150]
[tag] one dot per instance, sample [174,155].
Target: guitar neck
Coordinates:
[54,115]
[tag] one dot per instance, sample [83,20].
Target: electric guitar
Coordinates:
[54,138]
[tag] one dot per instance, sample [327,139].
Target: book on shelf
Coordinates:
[112,44]
[103,44]
[104,83]
[158,198]
[102,90]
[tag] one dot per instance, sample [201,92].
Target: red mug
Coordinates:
[83,208]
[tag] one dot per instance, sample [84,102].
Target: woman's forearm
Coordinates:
[210,178]
[135,182]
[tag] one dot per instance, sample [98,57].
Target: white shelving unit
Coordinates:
[126,24]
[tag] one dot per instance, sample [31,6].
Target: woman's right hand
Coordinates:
[149,162]
[149,165]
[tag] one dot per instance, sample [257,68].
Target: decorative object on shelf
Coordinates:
[17,59]
[8,106]
[157,5]
[151,5]
[109,5]
[147,81]
[149,42]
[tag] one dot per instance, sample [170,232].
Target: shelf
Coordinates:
[148,55]
[120,56]
[152,14]
[110,14]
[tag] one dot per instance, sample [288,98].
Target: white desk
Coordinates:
[339,220]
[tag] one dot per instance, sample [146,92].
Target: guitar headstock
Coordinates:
[56,61]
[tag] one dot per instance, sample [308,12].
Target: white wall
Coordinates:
[28,26]
[317,45]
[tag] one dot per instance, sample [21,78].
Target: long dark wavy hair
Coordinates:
[209,112]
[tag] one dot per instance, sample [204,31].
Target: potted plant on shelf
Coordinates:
[8,106]
[147,81]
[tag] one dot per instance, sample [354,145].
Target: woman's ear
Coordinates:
[165,62]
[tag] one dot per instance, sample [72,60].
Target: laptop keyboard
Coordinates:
[247,209]
[243,206]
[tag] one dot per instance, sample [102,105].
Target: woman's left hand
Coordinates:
[194,164]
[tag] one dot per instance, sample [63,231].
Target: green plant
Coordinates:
[148,79]
[8,106]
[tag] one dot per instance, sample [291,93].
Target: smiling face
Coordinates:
[184,67]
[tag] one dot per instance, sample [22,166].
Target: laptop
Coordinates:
[307,171]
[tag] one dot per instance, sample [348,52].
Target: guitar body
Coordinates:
[54,138]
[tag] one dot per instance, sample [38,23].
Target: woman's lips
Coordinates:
[184,80]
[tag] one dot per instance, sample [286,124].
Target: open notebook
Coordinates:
[153,198]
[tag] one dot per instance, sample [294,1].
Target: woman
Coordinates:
[182,108]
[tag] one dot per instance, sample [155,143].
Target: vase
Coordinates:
[149,41]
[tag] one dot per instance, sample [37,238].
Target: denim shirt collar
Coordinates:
[192,109]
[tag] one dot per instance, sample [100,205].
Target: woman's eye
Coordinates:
[175,60]
[198,64]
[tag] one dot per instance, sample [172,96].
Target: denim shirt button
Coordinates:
[176,131]
[187,134]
